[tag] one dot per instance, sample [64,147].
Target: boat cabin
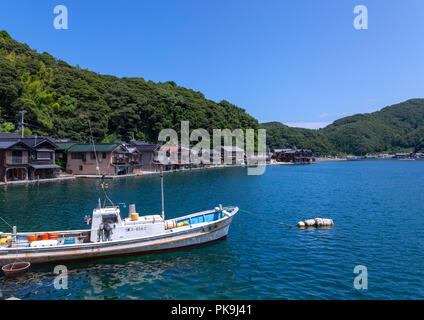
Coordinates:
[108,225]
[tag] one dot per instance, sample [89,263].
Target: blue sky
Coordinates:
[299,62]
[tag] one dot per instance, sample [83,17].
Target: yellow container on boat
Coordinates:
[181,224]
[3,240]
[134,216]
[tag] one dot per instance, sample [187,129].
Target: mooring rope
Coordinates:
[265,218]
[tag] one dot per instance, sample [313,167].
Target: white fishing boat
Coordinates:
[111,235]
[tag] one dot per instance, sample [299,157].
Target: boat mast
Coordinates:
[161,187]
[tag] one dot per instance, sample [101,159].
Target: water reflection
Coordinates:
[111,278]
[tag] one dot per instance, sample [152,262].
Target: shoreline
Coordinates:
[66,177]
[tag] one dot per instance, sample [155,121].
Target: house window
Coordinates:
[42,155]
[93,155]
[76,155]
[16,157]
[104,155]
[80,168]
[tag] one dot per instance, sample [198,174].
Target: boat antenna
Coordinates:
[6,223]
[94,148]
[102,184]
[161,188]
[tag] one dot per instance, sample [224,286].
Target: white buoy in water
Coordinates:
[323,222]
[310,223]
[317,222]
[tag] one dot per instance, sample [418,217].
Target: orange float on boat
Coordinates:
[32,238]
[44,236]
[52,235]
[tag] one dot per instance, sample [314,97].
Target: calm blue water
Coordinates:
[377,206]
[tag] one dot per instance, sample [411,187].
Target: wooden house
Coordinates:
[297,156]
[27,158]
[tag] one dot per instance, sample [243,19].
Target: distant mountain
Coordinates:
[279,135]
[399,127]
[60,99]
[395,128]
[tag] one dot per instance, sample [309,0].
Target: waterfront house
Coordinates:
[103,159]
[181,154]
[232,153]
[277,152]
[89,159]
[213,156]
[298,156]
[402,155]
[13,161]
[41,158]
[148,155]
[27,158]
[127,160]
[61,152]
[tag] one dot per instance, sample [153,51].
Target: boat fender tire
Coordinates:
[107,230]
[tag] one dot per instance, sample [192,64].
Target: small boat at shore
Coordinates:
[111,235]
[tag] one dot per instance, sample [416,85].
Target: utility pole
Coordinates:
[22,112]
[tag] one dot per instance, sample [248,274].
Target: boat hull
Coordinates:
[190,237]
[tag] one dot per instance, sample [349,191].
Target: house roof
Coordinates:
[100,147]
[30,141]
[33,142]
[45,166]
[147,147]
[138,143]
[7,144]
[65,145]
[123,150]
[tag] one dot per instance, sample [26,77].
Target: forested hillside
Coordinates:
[60,99]
[282,136]
[396,128]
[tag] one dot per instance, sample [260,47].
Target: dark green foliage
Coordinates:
[280,136]
[395,128]
[4,35]
[62,99]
